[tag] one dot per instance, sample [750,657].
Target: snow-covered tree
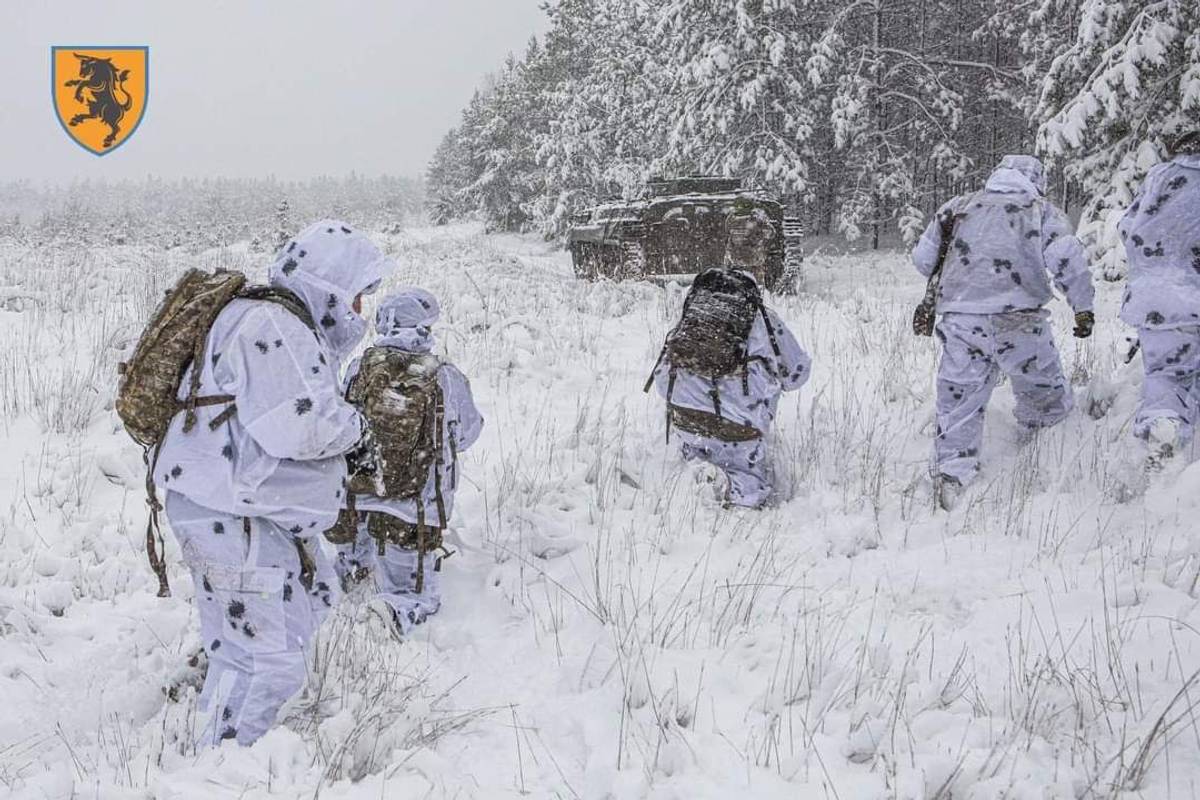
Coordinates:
[1129,75]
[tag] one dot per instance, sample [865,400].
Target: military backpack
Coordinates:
[711,340]
[401,398]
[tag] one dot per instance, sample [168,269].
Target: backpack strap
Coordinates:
[155,554]
[281,297]
[762,309]
[439,446]
[658,363]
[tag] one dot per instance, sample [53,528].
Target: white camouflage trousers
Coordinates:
[1171,388]
[259,607]
[744,464]
[393,577]
[976,349]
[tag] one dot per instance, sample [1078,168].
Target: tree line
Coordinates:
[861,115]
[200,214]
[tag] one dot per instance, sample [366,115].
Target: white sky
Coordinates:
[260,87]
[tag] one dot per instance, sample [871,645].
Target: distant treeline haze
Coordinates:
[200,214]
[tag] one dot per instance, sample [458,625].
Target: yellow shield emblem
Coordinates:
[100,93]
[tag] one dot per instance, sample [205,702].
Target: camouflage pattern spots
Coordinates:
[1019,345]
[1171,386]
[303,406]
[748,482]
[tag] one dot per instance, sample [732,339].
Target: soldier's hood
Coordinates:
[1018,175]
[1188,160]
[404,319]
[328,264]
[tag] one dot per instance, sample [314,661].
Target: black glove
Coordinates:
[362,462]
[1084,322]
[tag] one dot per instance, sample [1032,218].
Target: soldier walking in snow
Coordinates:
[996,254]
[725,364]
[423,415]
[1161,231]
[253,477]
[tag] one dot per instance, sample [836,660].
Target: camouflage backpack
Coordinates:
[148,389]
[710,341]
[401,398]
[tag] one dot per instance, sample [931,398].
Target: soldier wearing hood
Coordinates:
[1009,246]
[249,495]
[1161,232]
[388,546]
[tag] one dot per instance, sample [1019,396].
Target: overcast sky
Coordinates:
[261,87]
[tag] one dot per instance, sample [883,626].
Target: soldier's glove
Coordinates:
[1084,322]
[362,462]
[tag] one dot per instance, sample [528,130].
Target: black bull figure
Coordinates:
[102,81]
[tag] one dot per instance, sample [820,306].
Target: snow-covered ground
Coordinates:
[609,631]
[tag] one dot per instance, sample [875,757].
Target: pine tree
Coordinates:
[1129,74]
[283,224]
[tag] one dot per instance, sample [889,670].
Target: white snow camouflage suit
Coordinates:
[1161,231]
[243,499]
[403,321]
[1009,245]
[743,463]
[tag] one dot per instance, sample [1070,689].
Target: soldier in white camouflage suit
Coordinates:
[249,498]
[404,322]
[1009,246]
[1161,232]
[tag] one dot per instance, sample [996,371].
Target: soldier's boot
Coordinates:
[1162,442]
[947,491]
[191,674]
[380,617]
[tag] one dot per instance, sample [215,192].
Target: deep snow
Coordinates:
[609,631]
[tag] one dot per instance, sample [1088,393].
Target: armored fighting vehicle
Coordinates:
[675,230]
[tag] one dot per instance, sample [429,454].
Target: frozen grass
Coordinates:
[609,630]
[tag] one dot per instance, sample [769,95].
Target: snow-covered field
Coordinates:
[609,631]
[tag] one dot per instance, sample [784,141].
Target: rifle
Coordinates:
[926,313]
